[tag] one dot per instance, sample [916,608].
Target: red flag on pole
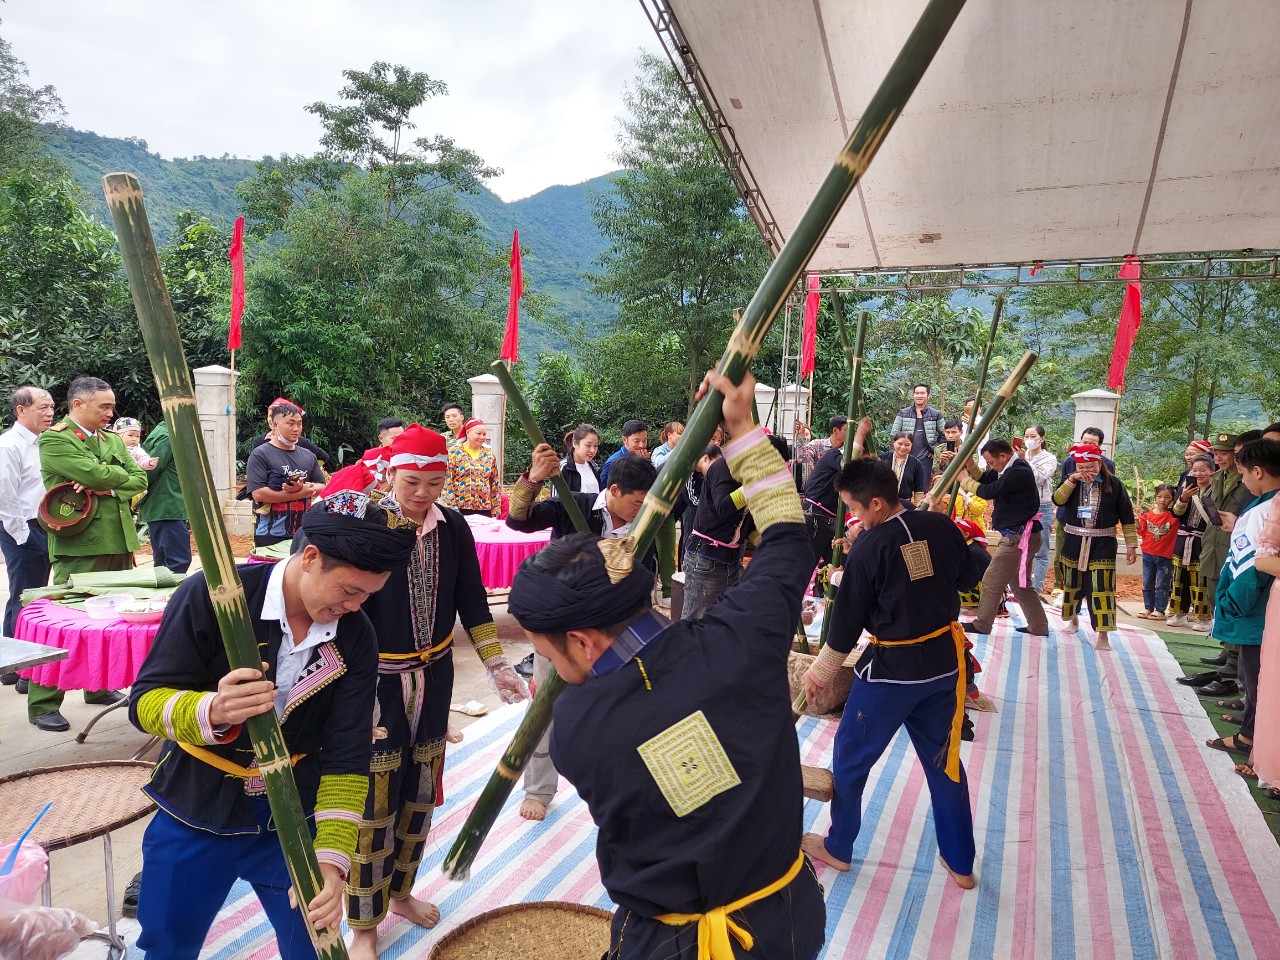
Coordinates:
[1130,320]
[809,350]
[511,342]
[237,284]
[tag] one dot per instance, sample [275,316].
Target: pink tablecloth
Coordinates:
[104,654]
[501,550]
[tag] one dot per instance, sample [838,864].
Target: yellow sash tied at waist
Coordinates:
[229,767]
[962,683]
[714,926]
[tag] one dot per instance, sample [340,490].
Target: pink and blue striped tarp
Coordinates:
[1105,829]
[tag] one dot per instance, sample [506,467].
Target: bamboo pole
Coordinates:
[970,444]
[854,353]
[503,373]
[177,397]
[850,165]
[982,381]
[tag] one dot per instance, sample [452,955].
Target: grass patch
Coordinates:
[1187,649]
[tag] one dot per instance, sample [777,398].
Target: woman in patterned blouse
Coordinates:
[474,485]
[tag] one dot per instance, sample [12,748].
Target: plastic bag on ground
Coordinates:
[40,933]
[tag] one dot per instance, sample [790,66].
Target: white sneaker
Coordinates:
[1203,626]
[1177,620]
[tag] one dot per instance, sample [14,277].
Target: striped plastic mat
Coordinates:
[1105,829]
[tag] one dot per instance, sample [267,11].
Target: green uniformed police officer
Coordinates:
[80,449]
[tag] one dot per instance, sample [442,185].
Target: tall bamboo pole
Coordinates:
[982,380]
[503,373]
[177,397]
[850,165]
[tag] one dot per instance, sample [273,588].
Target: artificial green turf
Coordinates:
[1187,649]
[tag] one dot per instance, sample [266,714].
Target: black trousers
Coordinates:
[821,532]
[26,566]
[1249,665]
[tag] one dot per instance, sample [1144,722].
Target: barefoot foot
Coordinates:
[415,910]
[453,734]
[965,881]
[1104,641]
[364,944]
[816,847]
[532,809]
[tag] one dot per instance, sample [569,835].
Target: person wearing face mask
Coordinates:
[281,476]
[1096,501]
[609,514]
[1188,596]
[1044,465]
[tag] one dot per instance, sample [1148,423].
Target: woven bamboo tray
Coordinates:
[89,799]
[544,930]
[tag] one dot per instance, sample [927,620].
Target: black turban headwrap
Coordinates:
[365,543]
[566,586]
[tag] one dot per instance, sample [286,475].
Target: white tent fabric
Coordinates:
[1038,133]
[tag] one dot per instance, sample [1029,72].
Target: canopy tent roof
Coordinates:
[1042,131]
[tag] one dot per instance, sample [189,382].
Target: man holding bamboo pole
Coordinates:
[214,825]
[680,736]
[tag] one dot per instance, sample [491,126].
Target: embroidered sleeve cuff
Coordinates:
[1130,534]
[179,715]
[827,665]
[484,637]
[766,483]
[1063,493]
[340,803]
[523,494]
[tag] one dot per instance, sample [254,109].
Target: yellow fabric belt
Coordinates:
[714,926]
[229,766]
[418,654]
[962,683]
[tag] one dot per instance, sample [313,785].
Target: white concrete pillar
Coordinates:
[489,403]
[216,407]
[765,411]
[1097,408]
[793,405]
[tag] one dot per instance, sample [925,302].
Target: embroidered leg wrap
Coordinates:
[1102,597]
[1199,599]
[415,817]
[1072,587]
[1177,593]
[371,867]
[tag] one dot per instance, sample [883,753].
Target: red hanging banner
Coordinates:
[511,342]
[1130,321]
[809,350]
[237,284]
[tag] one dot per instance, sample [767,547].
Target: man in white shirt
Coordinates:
[23,541]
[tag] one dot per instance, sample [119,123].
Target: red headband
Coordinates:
[419,449]
[1204,446]
[1086,453]
[284,402]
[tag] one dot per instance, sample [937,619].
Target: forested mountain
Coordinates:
[559,240]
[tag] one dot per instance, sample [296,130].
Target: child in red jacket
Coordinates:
[1159,530]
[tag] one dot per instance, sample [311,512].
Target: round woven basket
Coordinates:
[544,930]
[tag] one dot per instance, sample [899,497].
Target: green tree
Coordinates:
[945,335]
[683,252]
[22,109]
[197,274]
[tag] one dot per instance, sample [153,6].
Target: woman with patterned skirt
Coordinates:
[1096,501]
[414,617]
[1189,601]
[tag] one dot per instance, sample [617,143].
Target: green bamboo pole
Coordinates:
[970,444]
[783,274]
[177,397]
[854,353]
[499,368]
[982,380]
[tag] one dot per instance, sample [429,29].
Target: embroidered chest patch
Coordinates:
[916,556]
[688,763]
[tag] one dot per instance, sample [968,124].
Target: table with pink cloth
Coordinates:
[502,549]
[101,654]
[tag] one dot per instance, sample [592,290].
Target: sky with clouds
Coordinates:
[534,88]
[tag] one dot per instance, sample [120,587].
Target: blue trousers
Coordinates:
[186,875]
[706,580]
[872,716]
[1157,580]
[170,544]
[1040,570]
[26,566]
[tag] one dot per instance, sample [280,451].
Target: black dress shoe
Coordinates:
[9,679]
[971,628]
[21,686]
[1029,630]
[1199,679]
[52,722]
[1219,661]
[1219,688]
[109,698]
[525,667]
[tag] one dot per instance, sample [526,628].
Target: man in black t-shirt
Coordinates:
[282,477]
